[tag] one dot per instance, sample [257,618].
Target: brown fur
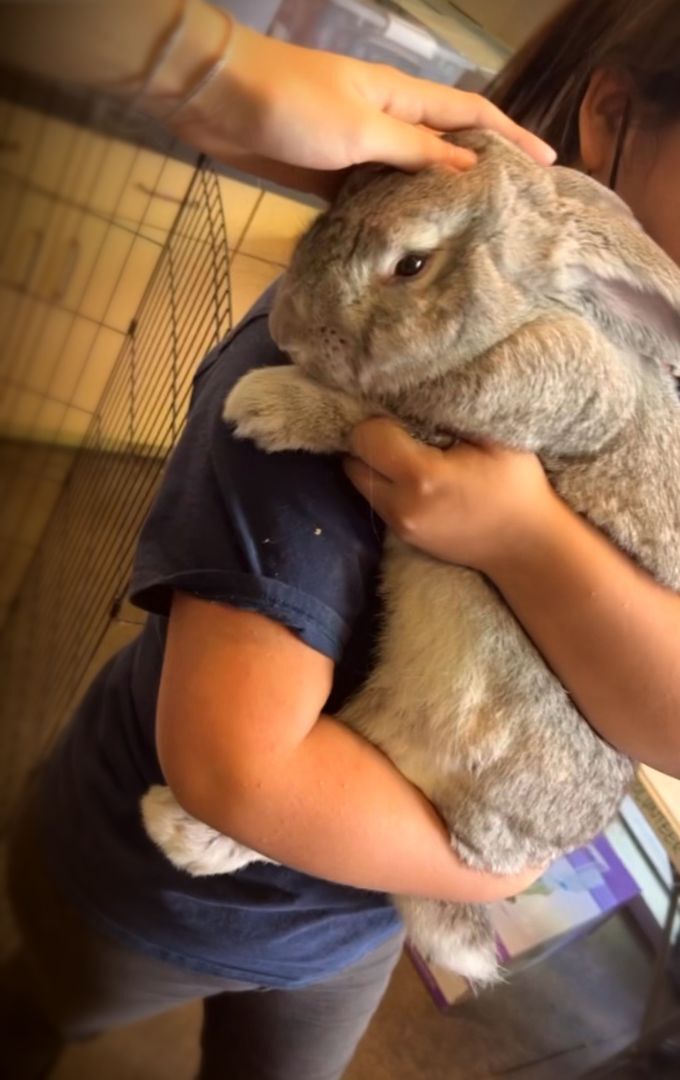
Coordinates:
[545,319]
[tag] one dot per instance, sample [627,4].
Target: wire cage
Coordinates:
[113,283]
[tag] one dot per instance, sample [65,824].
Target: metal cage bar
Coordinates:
[67,607]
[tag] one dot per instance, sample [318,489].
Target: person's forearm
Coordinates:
[610,633]
[112,44]
[92,42]
[337,808]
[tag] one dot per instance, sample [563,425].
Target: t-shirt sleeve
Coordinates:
[282,534]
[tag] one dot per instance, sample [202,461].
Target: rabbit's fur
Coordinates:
[546,320]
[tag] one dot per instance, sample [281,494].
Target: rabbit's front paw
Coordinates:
[279,408]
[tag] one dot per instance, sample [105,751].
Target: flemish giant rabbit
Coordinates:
[514,303]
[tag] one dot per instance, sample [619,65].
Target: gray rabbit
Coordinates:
[523,305]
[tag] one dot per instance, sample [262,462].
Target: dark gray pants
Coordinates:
[68,982]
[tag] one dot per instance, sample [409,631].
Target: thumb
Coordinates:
[410,147]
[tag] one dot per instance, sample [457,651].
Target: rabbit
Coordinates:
[512,303]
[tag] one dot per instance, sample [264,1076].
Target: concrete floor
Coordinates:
[551,1022]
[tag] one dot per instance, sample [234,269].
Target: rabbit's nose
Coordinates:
[286,319]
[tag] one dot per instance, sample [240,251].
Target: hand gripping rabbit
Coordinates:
[514,303]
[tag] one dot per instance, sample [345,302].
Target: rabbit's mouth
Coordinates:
[321,350]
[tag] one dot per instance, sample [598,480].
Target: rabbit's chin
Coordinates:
[339,373]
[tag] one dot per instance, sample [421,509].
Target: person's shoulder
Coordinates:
[283,534]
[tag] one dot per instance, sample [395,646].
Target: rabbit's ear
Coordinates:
[358,176]
[636,316]
[628,284]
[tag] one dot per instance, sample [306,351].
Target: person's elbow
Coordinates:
[216,783]
[238,694]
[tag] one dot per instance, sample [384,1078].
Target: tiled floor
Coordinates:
[263,249]
[249,278]
[274,228]
[261,231]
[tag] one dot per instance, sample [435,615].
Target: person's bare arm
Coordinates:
[97,43]
[243,748]
[295,115]
[609,631]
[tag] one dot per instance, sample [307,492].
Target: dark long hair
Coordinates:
[543,85]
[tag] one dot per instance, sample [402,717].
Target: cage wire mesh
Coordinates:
[79,469]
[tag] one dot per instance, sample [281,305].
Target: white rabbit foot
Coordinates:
[190,844]
[476,963]
[457,937]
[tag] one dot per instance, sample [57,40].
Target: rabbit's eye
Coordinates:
[410,265]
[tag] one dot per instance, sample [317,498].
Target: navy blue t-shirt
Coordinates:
[284,535]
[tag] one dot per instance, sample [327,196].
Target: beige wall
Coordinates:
[510,20]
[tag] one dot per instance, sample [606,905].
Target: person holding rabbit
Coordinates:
[259,574]
[511,303]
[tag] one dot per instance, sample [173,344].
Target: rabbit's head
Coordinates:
[408,277]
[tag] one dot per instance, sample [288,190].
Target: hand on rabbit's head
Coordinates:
[409,277]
